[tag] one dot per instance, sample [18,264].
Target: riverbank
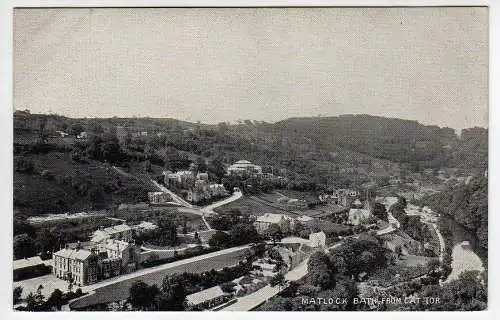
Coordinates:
[463,259]
[453,256]
[463,251]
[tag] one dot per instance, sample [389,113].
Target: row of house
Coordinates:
[206,191]
[110,252]
[182,179]
[159,198]
[197,186]
[91,262]
[342,197]
[246,168]
[286,222]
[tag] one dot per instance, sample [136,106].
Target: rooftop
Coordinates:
[28,262]
[359,212]
[205,295]
[112,244]
[243,162]
[116,229]
[75,254]
[304,219]
[273,218]
[145,225]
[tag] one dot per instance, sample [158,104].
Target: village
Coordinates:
[290,232]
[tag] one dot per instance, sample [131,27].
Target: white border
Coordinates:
[6,160]
[245,3]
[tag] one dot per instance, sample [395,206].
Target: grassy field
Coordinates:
[250,205]
[60,185]
[412,267]
[301,195]
[119,291]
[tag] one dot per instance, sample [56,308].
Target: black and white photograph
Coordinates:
[250,159]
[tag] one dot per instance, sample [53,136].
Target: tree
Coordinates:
[228,287]
[142,295]
[184,226]
[220,239]
[45,241]
[31,302]
[216,167]
[166,233]
[56,300]
[299,229]
[260,249]
[359,255]
[277,280]
[173,293]
[76,129]
[321,271]
[35,301]
[274,232]
[17,292]
[110,148]
[380,212]
[24,246]
[201,165]
[42,130]
[243,233]
[94,147]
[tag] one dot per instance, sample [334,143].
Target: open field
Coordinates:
[250,205]
[403,270]
[57,184]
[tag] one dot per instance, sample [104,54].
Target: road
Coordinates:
[175,197]
[210,208]
[117,289]
[393,222]
[441,241]
[255,299]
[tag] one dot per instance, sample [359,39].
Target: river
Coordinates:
[465,258]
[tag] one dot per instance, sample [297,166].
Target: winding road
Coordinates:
[175,197]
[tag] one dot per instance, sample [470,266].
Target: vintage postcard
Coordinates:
[250,159]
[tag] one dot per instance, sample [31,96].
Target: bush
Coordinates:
[228,287]
[32,272]
[246,280]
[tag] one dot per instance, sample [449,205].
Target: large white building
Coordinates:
[263,222]
[207,299]
[317,239]
[243,167]
[80,265]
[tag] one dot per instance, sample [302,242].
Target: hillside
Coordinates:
[54,183]
[395,140]
[54,173]
[467,204]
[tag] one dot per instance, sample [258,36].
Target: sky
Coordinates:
[267,64]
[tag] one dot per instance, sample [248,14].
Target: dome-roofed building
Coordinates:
[244,166]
